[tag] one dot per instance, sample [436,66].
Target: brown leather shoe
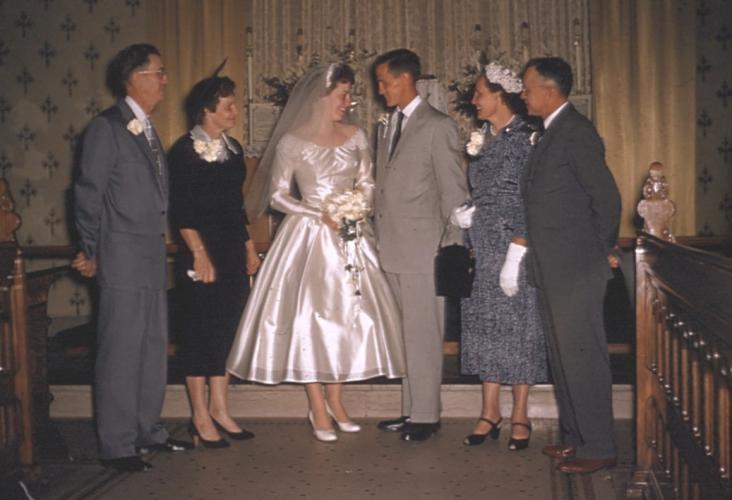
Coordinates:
[559,451]
[586,465]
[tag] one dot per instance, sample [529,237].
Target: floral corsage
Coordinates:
[208,150]
[534,137]
[477,137]
[383,121]
[135,127]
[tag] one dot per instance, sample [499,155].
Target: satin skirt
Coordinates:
[310,319]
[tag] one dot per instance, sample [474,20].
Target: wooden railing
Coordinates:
[16,408]
[684,372]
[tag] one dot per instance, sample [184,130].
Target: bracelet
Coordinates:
[197,249]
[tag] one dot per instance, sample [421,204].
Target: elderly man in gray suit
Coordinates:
[419,182]
[121,200]
[572,214]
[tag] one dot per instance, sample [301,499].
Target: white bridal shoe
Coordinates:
[325,436]
[343,426]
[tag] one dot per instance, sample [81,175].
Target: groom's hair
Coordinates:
[401,61]
[125,63]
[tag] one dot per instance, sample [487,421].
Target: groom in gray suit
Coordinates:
[419,182]
[121,200]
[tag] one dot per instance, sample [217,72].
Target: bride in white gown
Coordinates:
[321,311]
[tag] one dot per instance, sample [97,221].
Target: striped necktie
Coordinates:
[157,150]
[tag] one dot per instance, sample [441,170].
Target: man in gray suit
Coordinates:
[573,212]
[419,182]
[121,200]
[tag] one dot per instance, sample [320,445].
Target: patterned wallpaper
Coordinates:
[52,59]
[714,117]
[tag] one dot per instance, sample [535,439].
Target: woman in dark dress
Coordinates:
[206,176]
[502,340]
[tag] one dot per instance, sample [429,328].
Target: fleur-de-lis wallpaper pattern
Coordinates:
[714,117]
[52,59]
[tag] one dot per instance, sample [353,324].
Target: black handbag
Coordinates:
[454,271]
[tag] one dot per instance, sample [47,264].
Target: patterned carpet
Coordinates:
[285,462]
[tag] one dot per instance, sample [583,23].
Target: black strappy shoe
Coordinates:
[519,444]
[494,432]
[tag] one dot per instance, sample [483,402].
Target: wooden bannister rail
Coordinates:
[684,372]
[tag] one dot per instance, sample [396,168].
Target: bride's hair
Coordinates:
[301,108]
[339,73]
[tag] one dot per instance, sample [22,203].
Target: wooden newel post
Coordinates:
[644,377]
[22,379]
[655,207]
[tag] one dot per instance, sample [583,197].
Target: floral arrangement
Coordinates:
[463,89]
[281,87]
[208,150]
[348,208]
[135,127]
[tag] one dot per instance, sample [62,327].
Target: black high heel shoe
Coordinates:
[519,444]
[197,439]
[494,432]
[238,436]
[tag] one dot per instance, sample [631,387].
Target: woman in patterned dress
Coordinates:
[502,338]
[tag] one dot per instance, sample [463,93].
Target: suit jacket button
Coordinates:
[162,212]
[162,235]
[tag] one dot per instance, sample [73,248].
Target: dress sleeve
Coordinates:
[283,171]
[365,179]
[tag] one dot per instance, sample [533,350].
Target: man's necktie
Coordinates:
[397,133]
[157,151]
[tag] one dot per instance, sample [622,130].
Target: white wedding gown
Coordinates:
[308,318]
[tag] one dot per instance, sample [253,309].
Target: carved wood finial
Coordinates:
[9,220]
[655,207]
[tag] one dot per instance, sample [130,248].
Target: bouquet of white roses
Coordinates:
[347,208]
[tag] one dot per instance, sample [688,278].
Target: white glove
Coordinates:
[462,216]
[510,271]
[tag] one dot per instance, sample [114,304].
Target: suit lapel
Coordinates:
[144,146]
[408,130]
[545,141]
[382,146]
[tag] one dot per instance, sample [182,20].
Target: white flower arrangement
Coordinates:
[208,150]
[135,126]
[477,137]
[348,209]
[495,73]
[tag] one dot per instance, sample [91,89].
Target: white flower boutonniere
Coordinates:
[135,126]
[535,137]
[208,150]
[475,144]
[383,123]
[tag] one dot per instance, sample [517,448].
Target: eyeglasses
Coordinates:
[160,72]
